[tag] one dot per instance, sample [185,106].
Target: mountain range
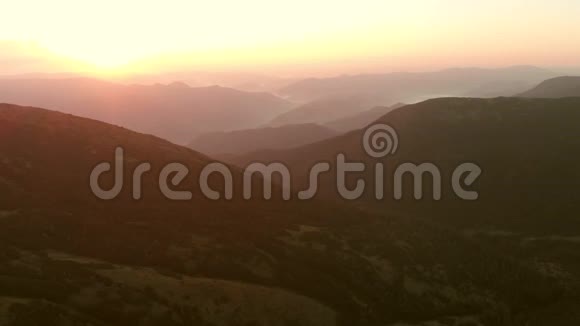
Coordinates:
[410,87]
[176,111]
[249,82]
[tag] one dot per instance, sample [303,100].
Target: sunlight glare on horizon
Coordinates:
[109,34]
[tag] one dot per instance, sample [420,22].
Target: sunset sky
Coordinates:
[327,36]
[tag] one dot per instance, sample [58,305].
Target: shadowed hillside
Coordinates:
[555,88]
[527,147]
[527,150]
[69,258]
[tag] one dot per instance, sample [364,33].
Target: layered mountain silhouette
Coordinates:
[176,111]
[245,141]
[242,81]
[328,109]
[363,119]
[555,88]
[414,87]
[69,258]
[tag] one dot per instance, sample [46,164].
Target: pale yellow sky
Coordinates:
[281,36]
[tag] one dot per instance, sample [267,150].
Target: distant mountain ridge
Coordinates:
[414,87]
[324,110]
[244,141]
[176,112]
[242,81]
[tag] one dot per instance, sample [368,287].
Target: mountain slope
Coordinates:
[324,110]
[176,112]
[527,150]
[361,120]
[67,257]
[526,147]
[243,141]
[555,88]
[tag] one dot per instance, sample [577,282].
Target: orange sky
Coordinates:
[285,37]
